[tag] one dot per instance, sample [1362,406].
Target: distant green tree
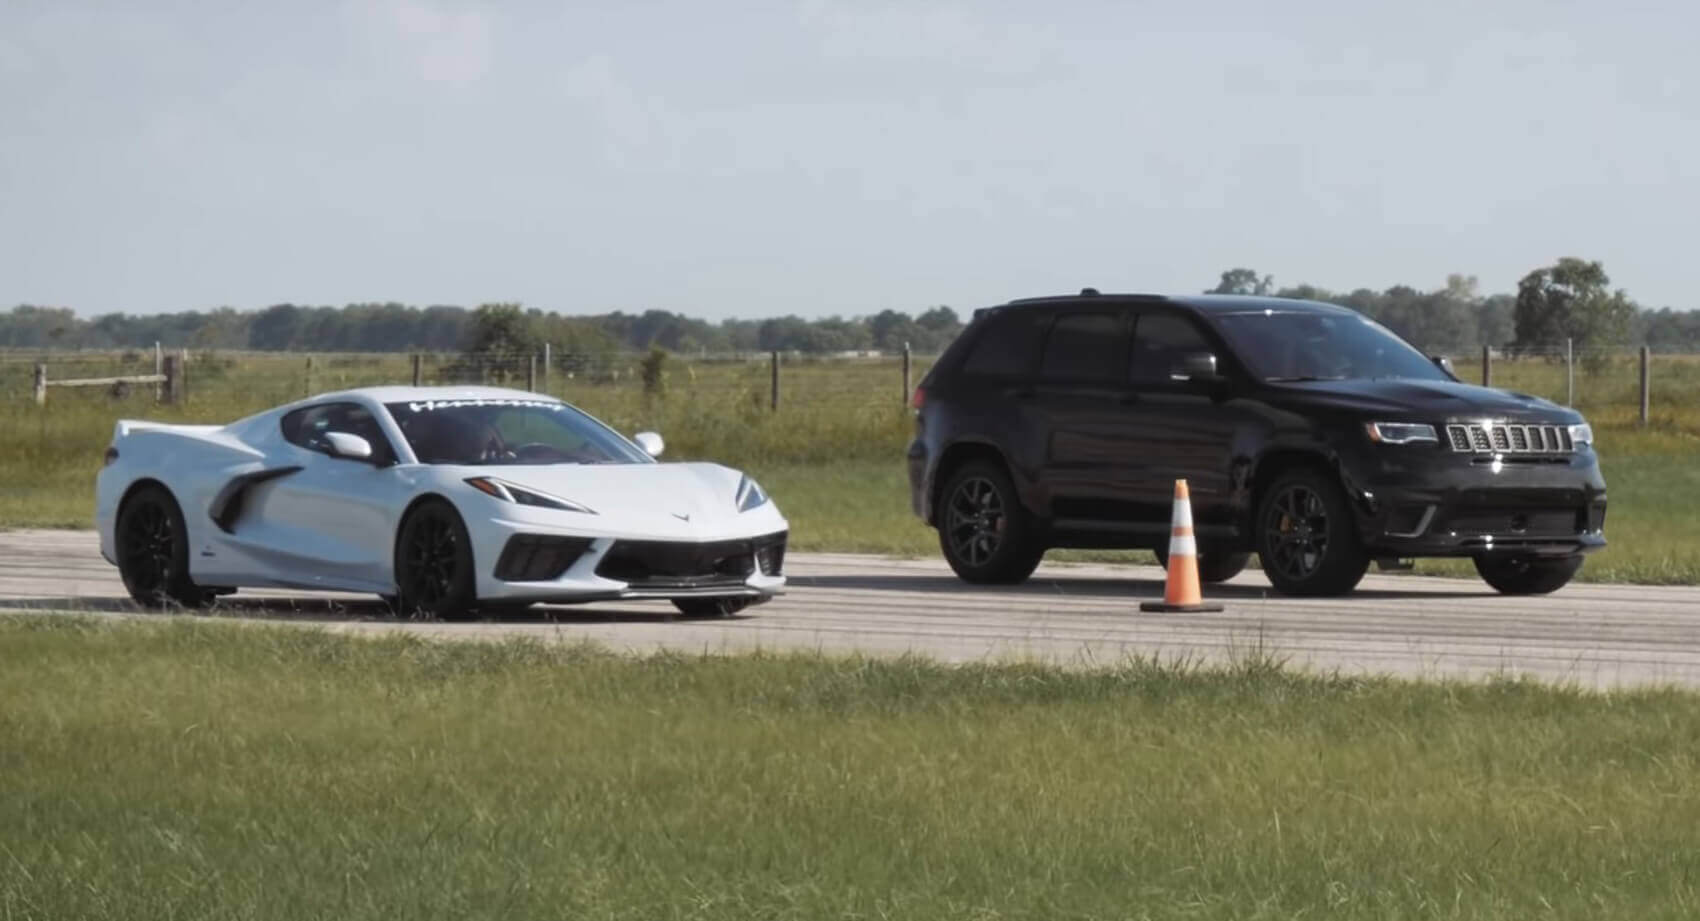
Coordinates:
[1571,299]
[1243,281]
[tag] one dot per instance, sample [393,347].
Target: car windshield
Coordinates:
[503,431]
[1295,345]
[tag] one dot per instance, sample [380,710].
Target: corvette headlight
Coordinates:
[1582,434]
[1401,433]
[750,495]
[520,495]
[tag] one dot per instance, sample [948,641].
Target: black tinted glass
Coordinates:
[1084,346]
[307,427]
[1005,347]
[1278,345]
[1160,341]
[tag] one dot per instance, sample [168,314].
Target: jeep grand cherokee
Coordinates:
[1307,433]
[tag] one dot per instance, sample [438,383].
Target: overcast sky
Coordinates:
[833,156]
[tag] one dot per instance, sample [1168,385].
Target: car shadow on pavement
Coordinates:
[334,610]
[1096,587]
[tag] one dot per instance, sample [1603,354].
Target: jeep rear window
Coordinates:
[1005,347]
[1085,346]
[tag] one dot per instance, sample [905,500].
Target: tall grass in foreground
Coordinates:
[195,770]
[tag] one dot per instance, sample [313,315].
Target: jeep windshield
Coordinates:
[503,431]
[1295,345]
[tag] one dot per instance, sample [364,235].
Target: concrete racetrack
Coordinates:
[1593,635]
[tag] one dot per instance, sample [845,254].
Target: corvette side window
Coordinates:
[307,427]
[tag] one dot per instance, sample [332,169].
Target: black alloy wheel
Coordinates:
[985,533]
[712,607]
[433,565]
[1213,565]
[153,551]
[1521,574]
[1307,541]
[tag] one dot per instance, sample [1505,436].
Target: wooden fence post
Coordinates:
[906,388]
[1487,366]
[182,375]
[548,356]
[418,368]
[158,368]
[40,384]
[531,373]
[1569,372]
[774,358]
[1646,382]
[173,379]
[309,375]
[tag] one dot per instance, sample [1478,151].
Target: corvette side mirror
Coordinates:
[351,447]
[650,442]
[1443,363]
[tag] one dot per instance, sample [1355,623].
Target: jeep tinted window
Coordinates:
[1005,346]
[1084,346]
[1159,342]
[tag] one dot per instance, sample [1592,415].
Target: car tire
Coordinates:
[711,607]
[152,544]
[1213,565]
[1307,540]
[433,564]
[985,533]
[1517,574]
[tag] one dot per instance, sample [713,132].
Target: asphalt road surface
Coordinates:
[1592,635]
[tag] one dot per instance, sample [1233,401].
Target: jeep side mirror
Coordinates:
[1196,366]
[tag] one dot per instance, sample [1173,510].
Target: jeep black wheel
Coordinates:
[1213,565]
[153,551]
[985,533]
[1307,541]
[1520,574]
[433,564]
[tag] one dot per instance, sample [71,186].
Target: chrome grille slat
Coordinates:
[1508,438]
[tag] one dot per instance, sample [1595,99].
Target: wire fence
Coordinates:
[1637,382]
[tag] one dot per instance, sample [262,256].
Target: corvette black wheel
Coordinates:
[1517,574]
[712,607]
[153,551]
[433,564]
[1306,539]
[1213,565]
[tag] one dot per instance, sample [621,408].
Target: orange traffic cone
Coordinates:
[1181,592]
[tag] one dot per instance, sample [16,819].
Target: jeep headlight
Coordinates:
[750,495]
[1401,433]
[1582,434]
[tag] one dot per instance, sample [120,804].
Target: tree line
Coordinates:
[399,327]
[1571,298]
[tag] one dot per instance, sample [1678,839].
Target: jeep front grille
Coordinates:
[1507,438]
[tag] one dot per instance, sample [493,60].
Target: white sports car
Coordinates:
[443,500]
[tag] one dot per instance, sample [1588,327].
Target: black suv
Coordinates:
[1306,432]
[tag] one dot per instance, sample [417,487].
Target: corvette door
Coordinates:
[330,524]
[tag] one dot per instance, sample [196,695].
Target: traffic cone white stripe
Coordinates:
[1182,546]
[1182,516]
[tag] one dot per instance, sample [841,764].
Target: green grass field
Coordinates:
[832,454]
[193,769]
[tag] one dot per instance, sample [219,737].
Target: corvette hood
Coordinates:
[1438,400]
[687,501]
